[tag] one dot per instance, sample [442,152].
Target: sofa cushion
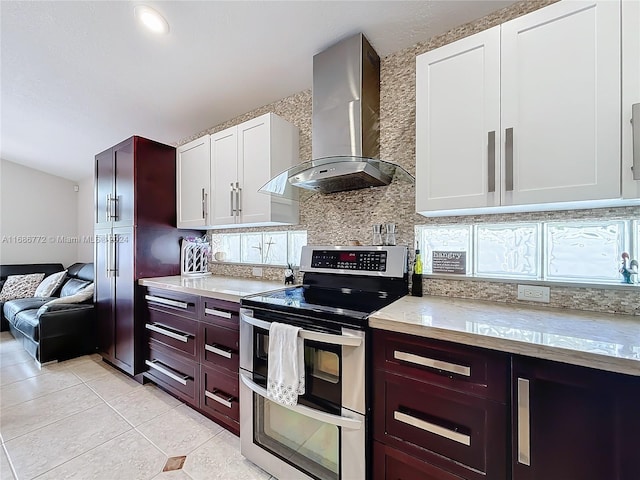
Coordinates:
[83,295]
[28,323]
[83,271]
[13,307]
[73,286]
[50,284]
[20,286]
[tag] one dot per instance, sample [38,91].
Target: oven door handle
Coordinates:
[337,420]
[345,340]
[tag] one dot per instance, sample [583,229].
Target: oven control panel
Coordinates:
[368,261]
[383,261]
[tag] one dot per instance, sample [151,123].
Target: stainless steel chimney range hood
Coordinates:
[345,125]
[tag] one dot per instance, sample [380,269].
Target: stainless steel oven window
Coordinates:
[306,443]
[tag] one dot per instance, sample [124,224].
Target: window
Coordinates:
[573,251]
[260,248]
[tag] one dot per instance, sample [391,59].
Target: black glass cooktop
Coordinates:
[342,305]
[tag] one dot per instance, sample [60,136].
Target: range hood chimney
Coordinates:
[345,124]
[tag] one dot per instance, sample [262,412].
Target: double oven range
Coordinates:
[324,436]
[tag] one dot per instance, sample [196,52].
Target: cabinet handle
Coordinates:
[217,313]
[224,401]
[108,256]
[218,351]
[164,330]
[167,301]
[156,365]
[204,209]
[112,261]
[491,161]
[508,166]
[433,363]
[524,438]
[432,428]
[108,207]
[635,120]
[116,207]
[232,212]
[238,198]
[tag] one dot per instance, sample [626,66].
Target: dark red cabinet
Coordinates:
[572,422]
[135,237]
[443,405]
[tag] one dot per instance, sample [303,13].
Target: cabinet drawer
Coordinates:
[450,429]
[170,331]
[177,375]
[392,464]
[219,346]
[465,369]
[220,393]
[174,302]
[220,312]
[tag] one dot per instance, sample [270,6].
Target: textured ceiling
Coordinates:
[78,77]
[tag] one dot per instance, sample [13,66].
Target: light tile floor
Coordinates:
[82,419]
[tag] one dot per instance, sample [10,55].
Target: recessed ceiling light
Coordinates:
[151,19]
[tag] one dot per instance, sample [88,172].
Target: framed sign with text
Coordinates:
[449,262]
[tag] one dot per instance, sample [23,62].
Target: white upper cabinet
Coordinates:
[243,159]
[534,103]
[458,124]
[560,91]
[193,183]
[630,97]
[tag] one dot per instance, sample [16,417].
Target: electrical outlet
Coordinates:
[533,293]
[256,271]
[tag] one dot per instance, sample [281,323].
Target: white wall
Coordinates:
[85,219]
[38,216]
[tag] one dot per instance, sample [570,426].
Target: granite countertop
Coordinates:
[213,286]
[603,341]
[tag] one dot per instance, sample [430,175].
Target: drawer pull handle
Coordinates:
[218,351]
[217,398]
[432,428]
[524,444]
[217,313]
[164,330]
[433,363]
[167,301]
[156,365]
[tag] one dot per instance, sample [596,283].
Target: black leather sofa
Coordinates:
[62,330]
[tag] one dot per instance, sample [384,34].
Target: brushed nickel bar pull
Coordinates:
[635,120]
[108,256]
[167,301]
[163,330]
[114,257]
[218,351]
[238,198]
[524,435]
[116,207]
[203,212]
[217,313]
[156,365]
[432,428]
[491,161]
[108,207]
[224,401]
[432,363]
[233,212]
[508,166]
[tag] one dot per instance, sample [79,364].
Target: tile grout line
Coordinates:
[11,466]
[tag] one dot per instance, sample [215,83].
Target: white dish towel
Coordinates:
[285,375]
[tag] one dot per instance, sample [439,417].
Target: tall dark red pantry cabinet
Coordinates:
[136,237]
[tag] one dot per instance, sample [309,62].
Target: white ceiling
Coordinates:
[80,76]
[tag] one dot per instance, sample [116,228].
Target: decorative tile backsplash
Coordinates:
[344,216]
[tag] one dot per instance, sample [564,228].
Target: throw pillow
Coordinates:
[20,286]
[85,294]
[50,284]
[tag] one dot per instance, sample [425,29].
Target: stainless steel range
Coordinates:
[324,436]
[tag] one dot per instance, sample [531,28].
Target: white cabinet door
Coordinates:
[458,132]
[560,94]
[254,169]
[630,97]
[224,176]
[193,183]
